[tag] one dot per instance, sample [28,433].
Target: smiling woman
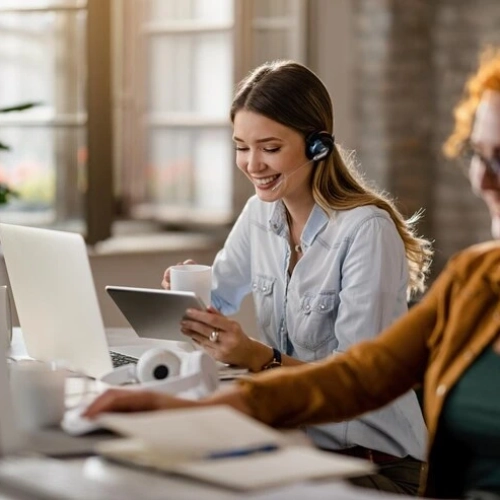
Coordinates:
[269,153]
[329,261]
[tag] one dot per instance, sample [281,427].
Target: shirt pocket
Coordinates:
[315,321]
[263,293]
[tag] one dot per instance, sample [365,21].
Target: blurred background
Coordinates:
[128,140]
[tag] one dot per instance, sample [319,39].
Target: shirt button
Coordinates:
[441,390]
[264,288]
[321,306]
[308,307]
[254,286]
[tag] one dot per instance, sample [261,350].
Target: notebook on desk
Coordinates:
[220,445]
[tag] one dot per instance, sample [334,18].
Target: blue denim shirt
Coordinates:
[350,284]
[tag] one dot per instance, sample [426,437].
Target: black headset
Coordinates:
[319,145]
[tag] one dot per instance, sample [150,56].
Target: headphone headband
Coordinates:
[194,373]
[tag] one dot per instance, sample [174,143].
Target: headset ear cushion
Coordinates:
[319,145]
[203,364]
[157,364]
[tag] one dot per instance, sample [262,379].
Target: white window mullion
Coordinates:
[186,27]
[298,31]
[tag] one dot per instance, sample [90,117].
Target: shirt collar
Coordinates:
[317,220]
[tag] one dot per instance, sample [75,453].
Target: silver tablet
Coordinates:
[155,313]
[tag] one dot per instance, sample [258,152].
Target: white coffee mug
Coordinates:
[5,317]
[38,393]
[192,278]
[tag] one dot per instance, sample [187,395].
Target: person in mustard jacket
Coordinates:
[449,343]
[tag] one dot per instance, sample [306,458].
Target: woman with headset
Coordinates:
[330,261]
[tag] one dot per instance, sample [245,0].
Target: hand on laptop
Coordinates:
[166,275]
[224,339]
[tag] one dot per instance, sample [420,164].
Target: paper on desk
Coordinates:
[286,465]
[262,470]
[179,441]
[193,432]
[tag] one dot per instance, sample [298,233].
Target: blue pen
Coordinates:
[242,452]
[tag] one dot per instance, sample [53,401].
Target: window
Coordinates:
[56,53]
[47,160]
[174,66]
[177,83]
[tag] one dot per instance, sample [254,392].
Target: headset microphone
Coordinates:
[284,177]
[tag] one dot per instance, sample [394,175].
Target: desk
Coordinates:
[108,481]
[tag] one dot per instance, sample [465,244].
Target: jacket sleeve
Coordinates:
[368,376]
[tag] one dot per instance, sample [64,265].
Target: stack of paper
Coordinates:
[222,446]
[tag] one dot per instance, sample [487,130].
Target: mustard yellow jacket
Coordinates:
[432,345]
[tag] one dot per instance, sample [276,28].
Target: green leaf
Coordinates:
[20,107]
[6,193]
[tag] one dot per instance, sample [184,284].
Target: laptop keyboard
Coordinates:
[121,359]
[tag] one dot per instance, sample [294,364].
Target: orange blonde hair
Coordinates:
[487,77]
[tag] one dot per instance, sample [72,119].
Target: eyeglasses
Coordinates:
[469,152]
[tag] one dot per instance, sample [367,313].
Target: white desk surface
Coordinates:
[126,483]
[106,481]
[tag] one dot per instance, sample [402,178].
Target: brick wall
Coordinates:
[411,62]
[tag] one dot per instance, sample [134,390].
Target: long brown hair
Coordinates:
[294,96]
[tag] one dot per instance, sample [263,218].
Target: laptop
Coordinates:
[56,301]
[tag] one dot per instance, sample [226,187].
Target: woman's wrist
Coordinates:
[234,396]
[262,355]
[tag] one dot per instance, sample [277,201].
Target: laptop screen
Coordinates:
[55,297]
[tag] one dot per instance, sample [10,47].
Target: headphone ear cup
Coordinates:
[119,376]
[319,145]
[157,364]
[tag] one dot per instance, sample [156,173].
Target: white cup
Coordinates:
[192,278]
[5,317]
[38,393]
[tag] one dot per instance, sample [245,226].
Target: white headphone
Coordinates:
[193,374]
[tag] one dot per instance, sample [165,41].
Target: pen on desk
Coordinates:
[242,452]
